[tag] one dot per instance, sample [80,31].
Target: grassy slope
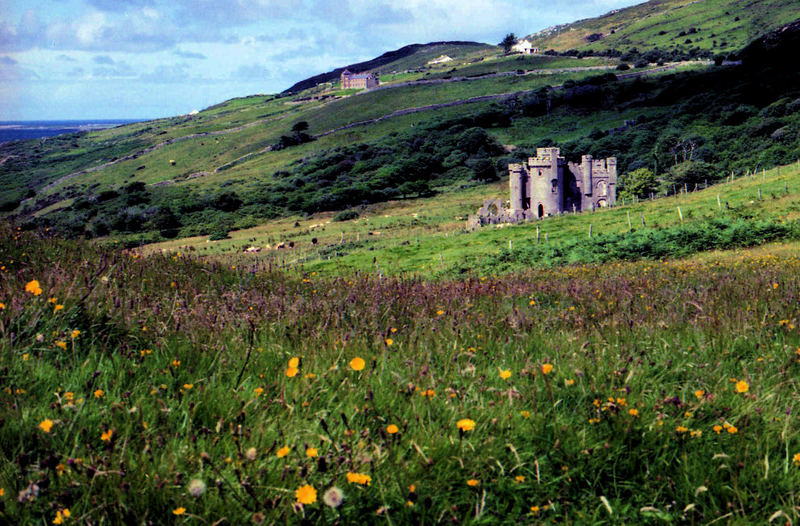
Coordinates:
[420,237]
[641,26]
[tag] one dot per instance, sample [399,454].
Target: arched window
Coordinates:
[602,188]
[541,210]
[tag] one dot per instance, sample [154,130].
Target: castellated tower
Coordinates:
[548,185]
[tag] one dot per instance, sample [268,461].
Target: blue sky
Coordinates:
[106,59]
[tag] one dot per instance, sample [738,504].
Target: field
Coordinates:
[172,388]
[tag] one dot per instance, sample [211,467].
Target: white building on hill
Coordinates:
[525,47]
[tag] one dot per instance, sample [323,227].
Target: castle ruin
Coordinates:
[547,185]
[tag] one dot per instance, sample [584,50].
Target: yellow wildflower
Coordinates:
[312,452]
[306,494]
[505,374]
[465,424]
[99,393]
[291,372]
[473,482]
[58,308]
[46,425]
[359,478]
[547,368]
[294,363]
[392,429]
[357,364]
[33,287]
[742,386]
[106,436]
[179,510]
[282,452]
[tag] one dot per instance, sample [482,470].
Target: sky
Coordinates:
[142,59]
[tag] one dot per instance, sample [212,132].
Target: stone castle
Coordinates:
[548,185]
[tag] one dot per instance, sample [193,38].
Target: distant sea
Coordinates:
[15,130]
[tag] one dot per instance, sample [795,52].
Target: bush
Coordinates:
[219,235]
[346,215]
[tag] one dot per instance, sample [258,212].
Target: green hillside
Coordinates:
[719,26]
[437,129]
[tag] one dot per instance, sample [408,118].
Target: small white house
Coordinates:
[525,47]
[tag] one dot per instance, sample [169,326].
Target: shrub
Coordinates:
[346,215]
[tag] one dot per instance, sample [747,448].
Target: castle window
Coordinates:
[555,185]
[602,189]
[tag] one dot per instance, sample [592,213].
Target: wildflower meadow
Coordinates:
[180,389]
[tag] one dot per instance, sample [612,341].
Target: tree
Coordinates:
[638,183]
[483,170]
[508,42]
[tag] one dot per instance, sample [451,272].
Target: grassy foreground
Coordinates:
[164,389]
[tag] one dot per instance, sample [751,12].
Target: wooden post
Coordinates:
[685,190]
[510,244]
[643,223]
[759,193]
[629,221]
[680,215]
[590,230]
[719,203]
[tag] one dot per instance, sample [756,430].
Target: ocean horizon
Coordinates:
[19,130]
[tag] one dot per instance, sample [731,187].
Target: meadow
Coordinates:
[185,389]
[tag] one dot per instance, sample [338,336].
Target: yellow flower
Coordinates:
[473,482]
[179,510]
[505,374]
[633,412]
[699,394]
[465,424]
[312,452]
[357,364]
[294,363]
[796,459]
[188,386]
[439,312]
[681,429]
[74,334]
[547,368]
[389,342]
[742,386]
[291,372]
[65,512]
[519,478]
[359,478]
[258,391]
[717,429]
[733,430]
[569,381]
[525,414]
[61,344]
[46,425]
[106,436]
[306,494]
[58,308]
[33,287]
[176,363]
[282,452]
[534,510]
[2,306]
[99,393]
[59,518]
[392,429]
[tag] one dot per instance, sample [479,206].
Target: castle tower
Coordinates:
[517,183]
[586,169]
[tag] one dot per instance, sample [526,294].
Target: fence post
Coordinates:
[629,221]
[680,215]
[719,203]
[643,223]
[759,193]
[590,230]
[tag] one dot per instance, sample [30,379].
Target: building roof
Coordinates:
[357,75]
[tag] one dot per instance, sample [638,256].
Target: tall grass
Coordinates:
[168,384]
